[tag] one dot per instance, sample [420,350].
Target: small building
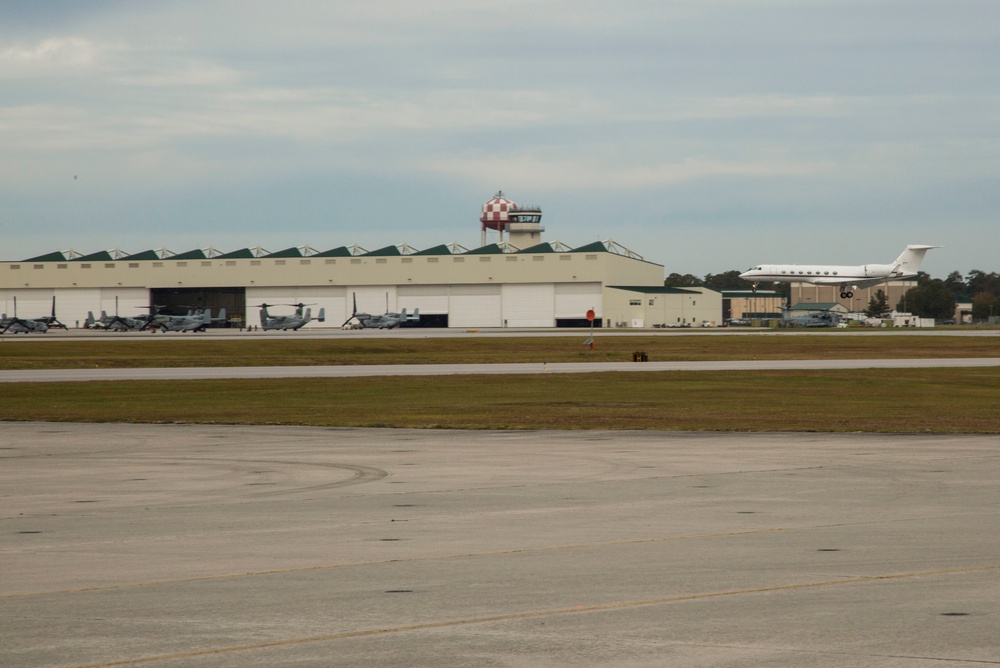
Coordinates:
[748,305]
[640,306]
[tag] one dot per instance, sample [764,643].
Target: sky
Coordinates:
[705,135]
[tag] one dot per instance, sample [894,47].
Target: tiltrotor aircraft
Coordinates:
[386,320]
[301,316]
[17,325]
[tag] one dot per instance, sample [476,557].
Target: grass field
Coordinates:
[906,400]
[155,351]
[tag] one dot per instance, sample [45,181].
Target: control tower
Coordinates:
[522,224]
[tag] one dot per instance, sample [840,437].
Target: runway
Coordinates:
[357,371]
[174,545]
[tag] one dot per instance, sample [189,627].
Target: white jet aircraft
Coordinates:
[849,278]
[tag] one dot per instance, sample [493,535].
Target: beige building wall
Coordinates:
[408,280]
[819,294]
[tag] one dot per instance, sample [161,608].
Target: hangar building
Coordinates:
[517,281]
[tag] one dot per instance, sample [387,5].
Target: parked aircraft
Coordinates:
[385,321]
[116,323]
[825,319]
[849,278]
[285,322]
[192,322]
[51,320]
[17,325]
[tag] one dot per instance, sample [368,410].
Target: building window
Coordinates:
[635,302]
[133,265]
[15,266]
[407,260]
[331,262]
[254,263]
[591,257]
[432,259]
[538,258]
[459,259]
[109,265]
[380,260]
[305,261]
[206,263]
[652,302]
[62,266]
[82,266]
[485,259]
[565,257]
[355,261]
[279,263]
[39,266]
[512,259]
[182,264]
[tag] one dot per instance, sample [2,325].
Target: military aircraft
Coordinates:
[285,322]
[17,325]
[824,319]
[51,320]
[386,320]
[116,323]
[192,322]
[848,278]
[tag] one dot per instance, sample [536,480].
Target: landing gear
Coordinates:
[753,286]
[846,294]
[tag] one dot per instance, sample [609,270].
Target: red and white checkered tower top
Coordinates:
[495,214]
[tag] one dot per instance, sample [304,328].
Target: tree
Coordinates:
[979,281]
[956,283]
[729,280]
[676,280]
[930,299]
[878,305]
[984,305]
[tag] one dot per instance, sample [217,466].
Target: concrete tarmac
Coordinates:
[210,546]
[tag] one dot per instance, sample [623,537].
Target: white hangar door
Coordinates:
[332,299]
[474,306]
[31,302]
[430,299]
[72,305]
[131,302]
[529,305]
[573,300]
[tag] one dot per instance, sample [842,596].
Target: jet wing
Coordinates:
[854,282]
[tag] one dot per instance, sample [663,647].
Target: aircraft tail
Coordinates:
[416,314]
[910,259]
[322,315]
[89,322]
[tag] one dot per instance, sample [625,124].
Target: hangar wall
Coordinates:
[475,289]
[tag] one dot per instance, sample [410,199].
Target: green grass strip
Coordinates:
[896,401]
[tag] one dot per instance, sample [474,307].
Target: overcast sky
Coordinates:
[706,135]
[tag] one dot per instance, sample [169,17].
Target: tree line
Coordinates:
[931,298]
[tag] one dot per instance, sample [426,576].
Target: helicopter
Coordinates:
[286,322]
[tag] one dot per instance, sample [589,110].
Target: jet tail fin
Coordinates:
[322,315]
[909,260]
